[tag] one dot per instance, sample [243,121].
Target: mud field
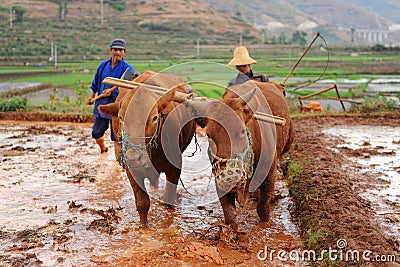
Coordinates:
[62,203]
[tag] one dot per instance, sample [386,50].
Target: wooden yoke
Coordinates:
[182,97]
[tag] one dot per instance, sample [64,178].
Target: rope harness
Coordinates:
[130,152]
[234,174]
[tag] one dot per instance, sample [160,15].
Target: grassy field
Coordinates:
[209,76]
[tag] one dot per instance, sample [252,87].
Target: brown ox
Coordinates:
[138,121]
[243,151]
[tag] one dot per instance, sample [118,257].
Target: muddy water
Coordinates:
[388,86]
[377,150]
[45,94]
[11,86]
[62,203]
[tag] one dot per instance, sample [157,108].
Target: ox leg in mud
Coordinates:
[143,118]
[244,152]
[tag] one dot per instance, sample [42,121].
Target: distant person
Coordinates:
[113,67]
[242,61]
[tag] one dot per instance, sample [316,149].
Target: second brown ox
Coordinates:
[245,152]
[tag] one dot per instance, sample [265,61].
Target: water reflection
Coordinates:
[383,162]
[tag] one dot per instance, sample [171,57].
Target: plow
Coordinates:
[338,98]
[333,87]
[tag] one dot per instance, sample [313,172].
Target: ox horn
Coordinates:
[244,99]
[199,104]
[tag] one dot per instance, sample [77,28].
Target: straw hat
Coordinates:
[241,57]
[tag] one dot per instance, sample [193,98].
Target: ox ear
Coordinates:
[109,109]
[167,98]
[244,102]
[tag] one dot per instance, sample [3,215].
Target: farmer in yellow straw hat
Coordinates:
[242,61]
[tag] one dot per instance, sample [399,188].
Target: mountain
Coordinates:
[385,8]
[159,28]
[364,22]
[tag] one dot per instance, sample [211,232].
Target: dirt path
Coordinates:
[64,204]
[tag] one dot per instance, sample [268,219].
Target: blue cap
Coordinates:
[118,43]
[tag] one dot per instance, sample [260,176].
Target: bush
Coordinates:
[376,104]
[118,7]
[13,104]
[79,104]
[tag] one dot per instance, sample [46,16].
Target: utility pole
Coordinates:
[11,17]
[240,40]
[101,12]
[55,58]
[52,50]
[198,48]
[62,11]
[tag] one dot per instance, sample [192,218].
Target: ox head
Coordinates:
[230,146]
[141,113]
[142,116]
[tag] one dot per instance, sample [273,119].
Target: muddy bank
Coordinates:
[45,116]
[327,188]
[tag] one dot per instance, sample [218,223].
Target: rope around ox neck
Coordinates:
[127,144]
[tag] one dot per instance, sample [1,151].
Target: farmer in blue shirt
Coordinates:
[113,67]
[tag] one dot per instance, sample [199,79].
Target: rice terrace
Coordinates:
[205,175]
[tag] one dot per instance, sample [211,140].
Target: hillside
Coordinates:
[171,29]
[152,28]
[386,8]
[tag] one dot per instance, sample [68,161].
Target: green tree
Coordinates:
[19,12]
[282,38]
[116,4]
[62,7]
[299,38]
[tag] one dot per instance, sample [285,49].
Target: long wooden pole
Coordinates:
[269,118]
[179,96]
[318,92]
[182,97]
[298,61]
[345,100]
[91,101]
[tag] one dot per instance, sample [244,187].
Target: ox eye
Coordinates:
[155,118]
